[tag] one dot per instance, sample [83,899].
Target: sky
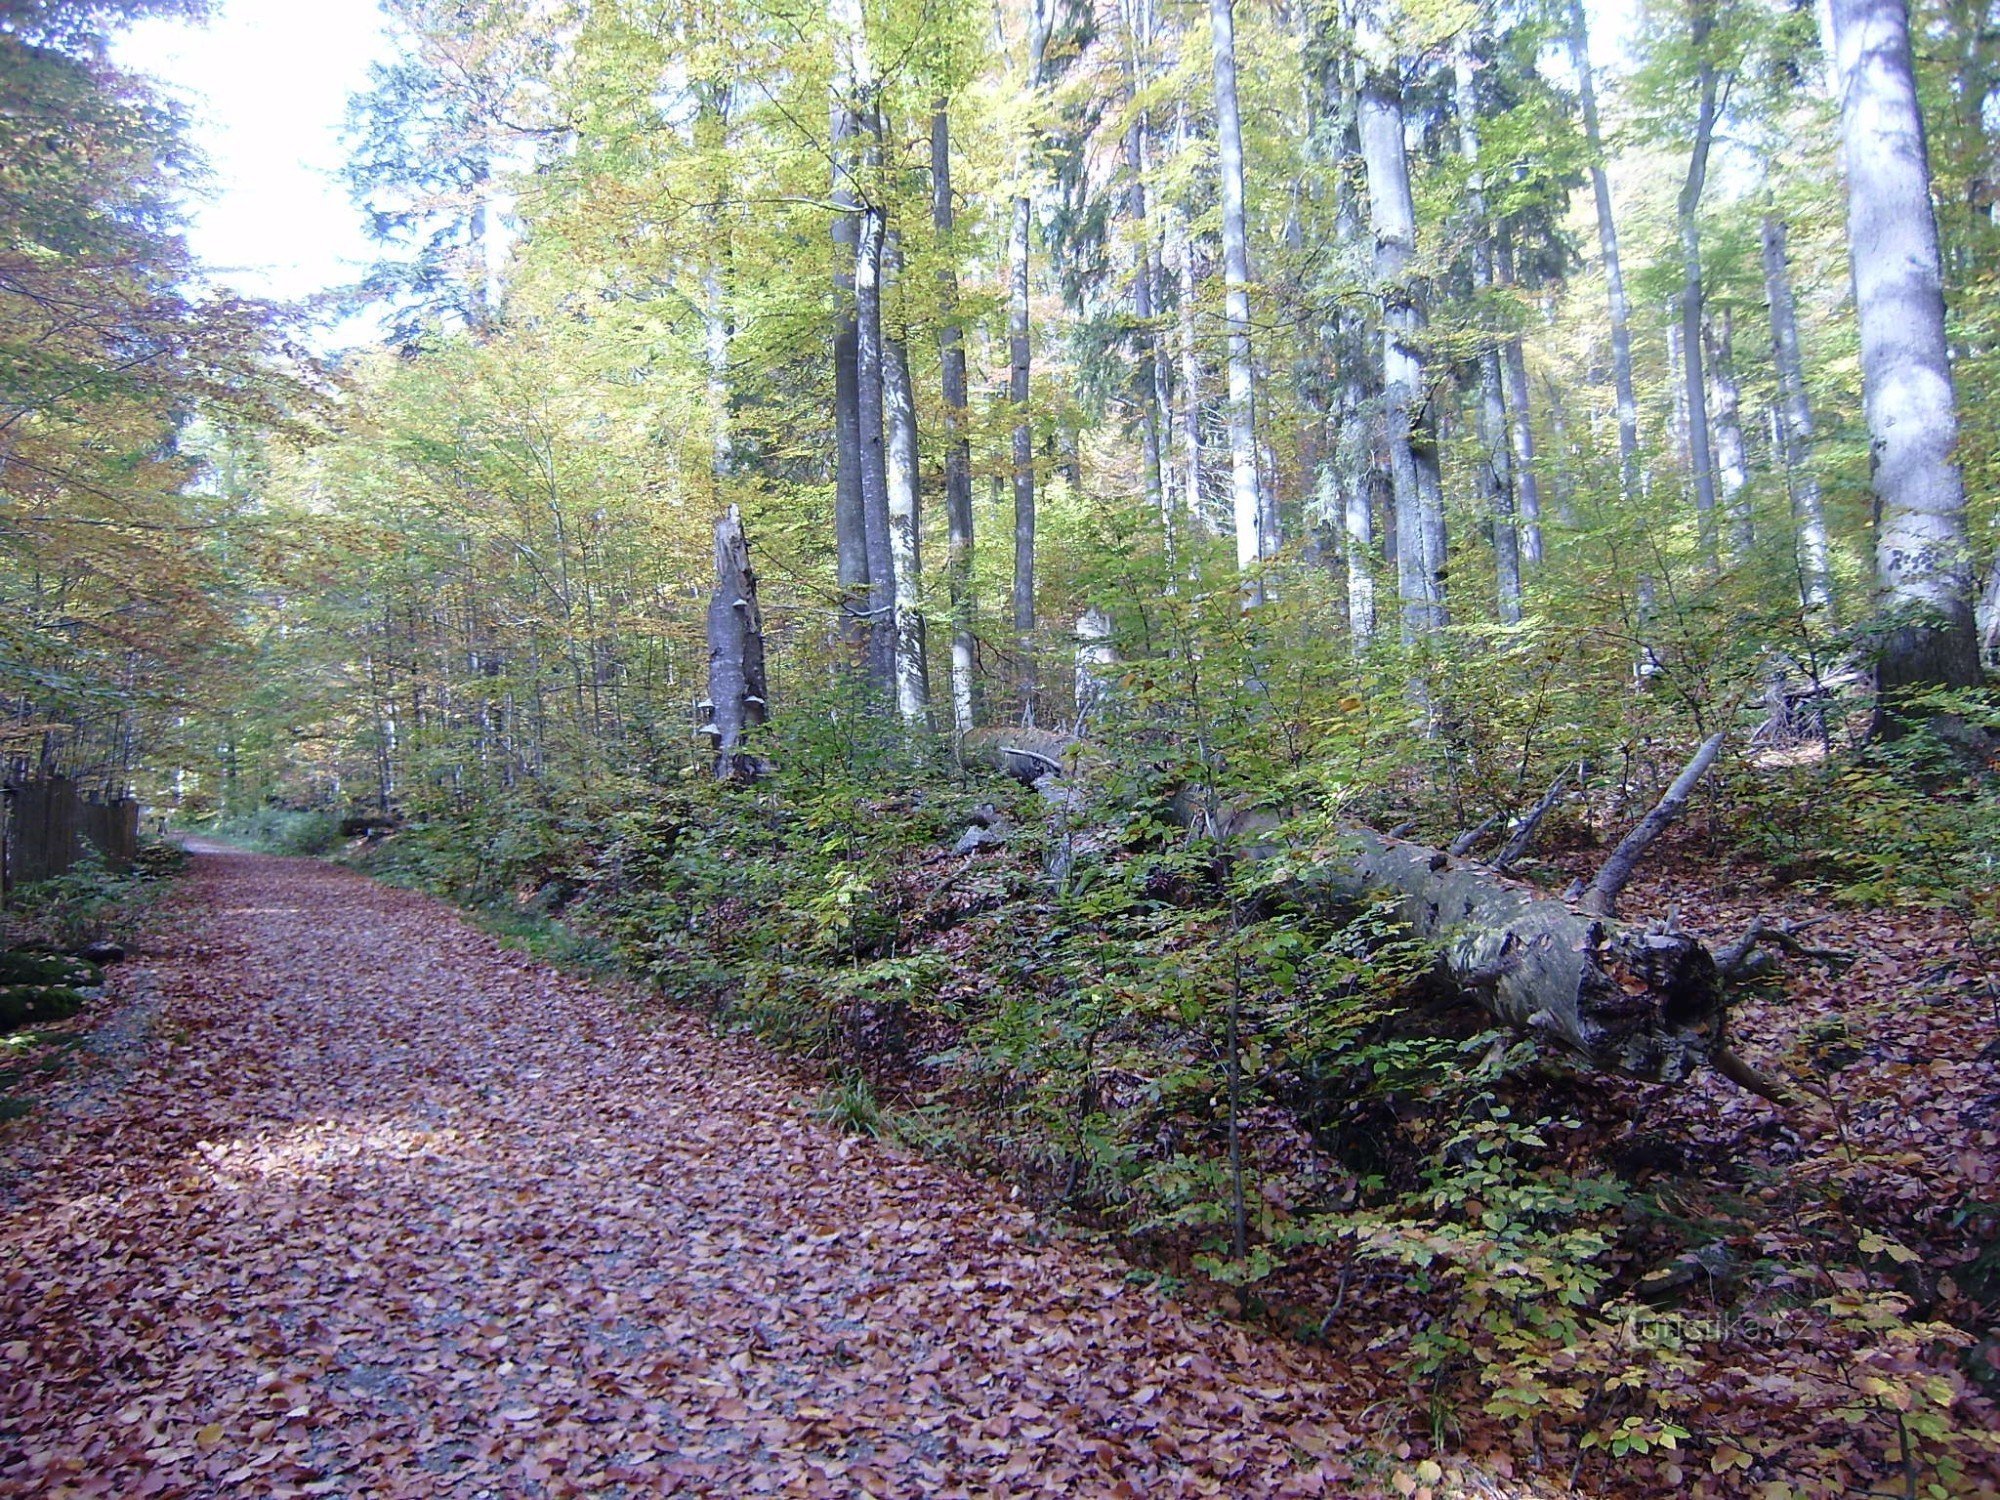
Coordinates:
[267,82]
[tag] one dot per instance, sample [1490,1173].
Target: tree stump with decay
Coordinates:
[737,700]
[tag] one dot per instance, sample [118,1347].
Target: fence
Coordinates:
[49,822]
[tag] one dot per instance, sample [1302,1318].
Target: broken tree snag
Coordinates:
[1600,897]
[1628,1000]
[736,682]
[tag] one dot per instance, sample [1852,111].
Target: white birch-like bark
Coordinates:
[1253,548]
[1495,469]
[868,366]
[1520,420]
[850,535]
[899,412]
[1731,464]
[1701,465]
[1393,217]
[1922,566]
[1150,389]
[1019,355]
[1796,423]
[957,437]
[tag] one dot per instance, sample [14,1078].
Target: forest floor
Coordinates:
[353,1200]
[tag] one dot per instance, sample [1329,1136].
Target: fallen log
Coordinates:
[1647,1003]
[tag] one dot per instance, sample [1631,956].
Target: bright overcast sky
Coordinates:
[267,82]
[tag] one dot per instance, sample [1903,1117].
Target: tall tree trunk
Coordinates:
[1393,216]
[1253,547]
[1019,355]
[1921,562]
[957,439]
[1732,472]
[1147,367]
[1688,216]
[1190,382]
[1148,391]
[1677,423]
[1495,470]
[849,527]
[715,344]
[899,406]
[1607,244]
[1023,452]
[868,364]
[1520,417]
[1796,429]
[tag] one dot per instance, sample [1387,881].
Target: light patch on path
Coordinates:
[390,1210]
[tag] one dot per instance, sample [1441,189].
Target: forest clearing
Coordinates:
[1087,747]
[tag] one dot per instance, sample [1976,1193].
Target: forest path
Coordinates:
[384,1208]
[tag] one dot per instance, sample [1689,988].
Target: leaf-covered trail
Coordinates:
[384,1208]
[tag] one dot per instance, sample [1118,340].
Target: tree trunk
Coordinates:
[849,527]
[1796,430]
[1019,354]
[1495,469]
[957,440]
[899,405]
[868,363]
[1189,351]
[1607,244]
[1922,568]
[1253,548]
[1520,417]
[1148,389]
[1392,214]
[1989,617]
[1628,1000]
[715,344]
[1732,471]
[1688,211]
[737,695]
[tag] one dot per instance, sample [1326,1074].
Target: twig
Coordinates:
[1740,1073]
[1734,961]
[1601,898]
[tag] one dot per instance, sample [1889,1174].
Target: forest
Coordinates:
[1347,651]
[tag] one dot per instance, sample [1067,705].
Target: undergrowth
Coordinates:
[1266,1099]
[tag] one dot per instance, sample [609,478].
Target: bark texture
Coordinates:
[1412,445]
[1253,547]
[1921,564]
[1688,213]
[1732,468]
[957,438]
[1496,471]
[899,403]
[737,692]
[1796,421]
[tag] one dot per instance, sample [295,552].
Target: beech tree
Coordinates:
[1922,564]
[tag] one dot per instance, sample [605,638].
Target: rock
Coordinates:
[976,838]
